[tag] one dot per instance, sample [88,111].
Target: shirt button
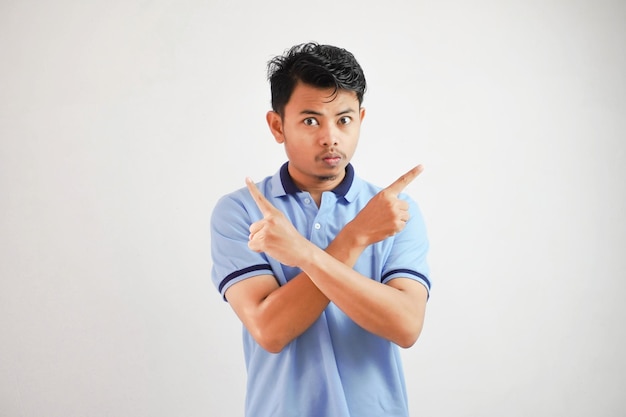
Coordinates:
[317,226]
[307,200]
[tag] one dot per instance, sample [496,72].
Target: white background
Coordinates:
[122,123]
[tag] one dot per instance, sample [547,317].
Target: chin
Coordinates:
[331,173]
[326,178]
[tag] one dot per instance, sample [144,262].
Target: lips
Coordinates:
[332,159]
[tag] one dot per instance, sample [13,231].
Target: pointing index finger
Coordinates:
[260,200]
[400,184]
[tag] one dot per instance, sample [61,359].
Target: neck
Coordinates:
[317,188]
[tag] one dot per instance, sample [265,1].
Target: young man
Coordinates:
[327,272]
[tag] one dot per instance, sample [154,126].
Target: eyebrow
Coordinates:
[316,113]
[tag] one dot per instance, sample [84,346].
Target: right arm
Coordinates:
[275,315]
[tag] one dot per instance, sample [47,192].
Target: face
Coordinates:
[319,135]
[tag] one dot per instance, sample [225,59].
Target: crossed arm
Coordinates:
[275,315]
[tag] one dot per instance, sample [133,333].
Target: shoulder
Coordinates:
[231,205]
[233,214]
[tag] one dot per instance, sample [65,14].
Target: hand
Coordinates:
[274,234]
[385,214]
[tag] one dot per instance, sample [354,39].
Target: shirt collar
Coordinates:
[291,188]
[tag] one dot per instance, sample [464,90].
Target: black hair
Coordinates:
[322,66]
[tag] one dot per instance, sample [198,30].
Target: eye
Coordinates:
[310,121]
[345,120]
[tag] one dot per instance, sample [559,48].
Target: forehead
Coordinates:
[322,100]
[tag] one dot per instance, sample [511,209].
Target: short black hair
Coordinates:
[322,66]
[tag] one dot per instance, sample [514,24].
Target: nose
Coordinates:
[328,135]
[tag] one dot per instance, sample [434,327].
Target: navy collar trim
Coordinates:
[291,188]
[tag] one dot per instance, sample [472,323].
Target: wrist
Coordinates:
[353,236]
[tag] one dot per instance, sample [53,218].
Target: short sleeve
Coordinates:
[408,255]
[233,261]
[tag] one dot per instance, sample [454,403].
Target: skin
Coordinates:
[320,137]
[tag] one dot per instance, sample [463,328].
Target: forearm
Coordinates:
[395,312]
[287,311]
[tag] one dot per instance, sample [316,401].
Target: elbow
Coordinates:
[266,333]
[408,337]
[406,342]
[268,341]
[272,346]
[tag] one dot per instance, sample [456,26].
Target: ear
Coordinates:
[275,123]
[362,113]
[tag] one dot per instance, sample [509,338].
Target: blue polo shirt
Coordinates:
[335,368]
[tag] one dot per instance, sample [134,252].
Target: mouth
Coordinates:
[332,159]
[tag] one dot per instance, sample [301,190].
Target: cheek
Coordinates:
[296,138]
[353,135]
[292,149]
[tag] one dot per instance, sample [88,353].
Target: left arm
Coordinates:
[394,311]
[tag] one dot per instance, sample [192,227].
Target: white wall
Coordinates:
[121,123]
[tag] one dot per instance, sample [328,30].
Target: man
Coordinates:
[327,272]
